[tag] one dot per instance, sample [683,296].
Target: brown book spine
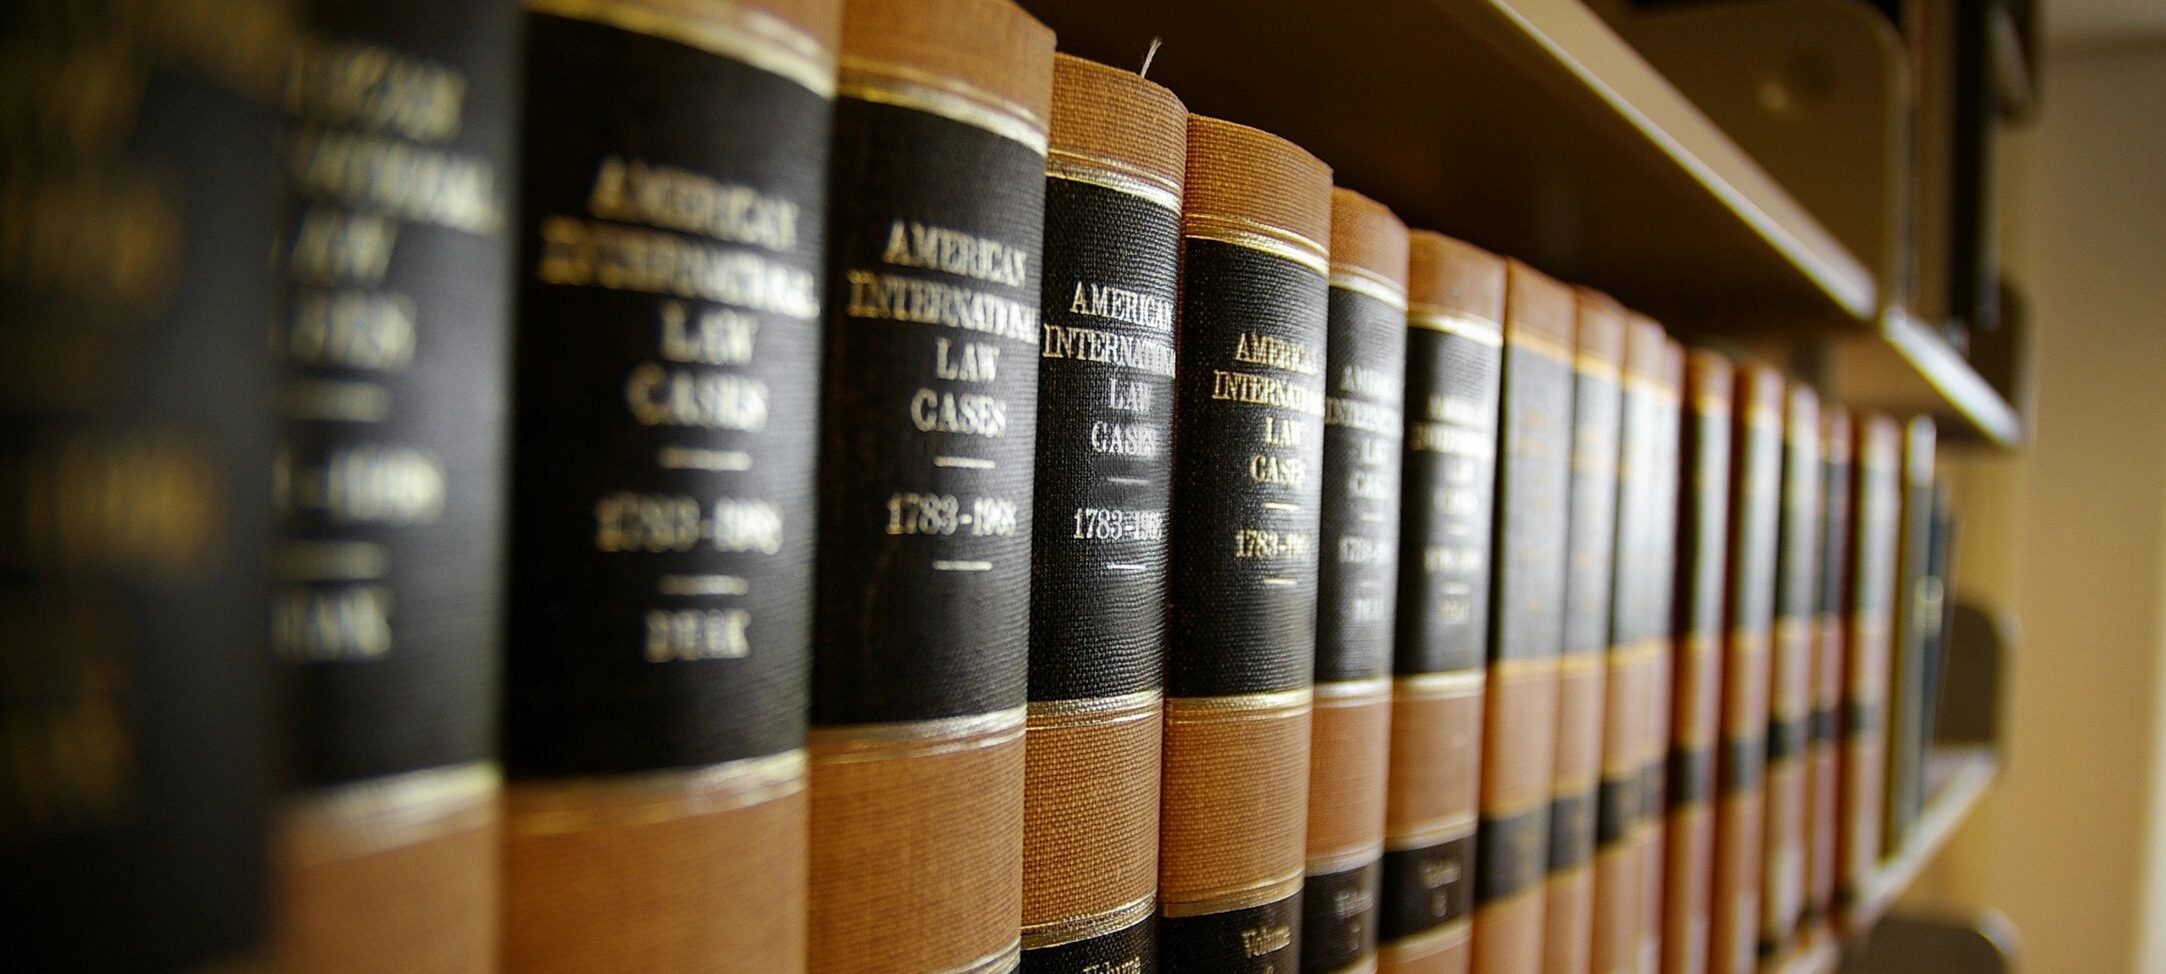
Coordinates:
[1630,659]
[658,619]
[1869,608]
[928,431]
[390,845]
[1114,171]
[1246,515]
[1790,693]
[1703,529]
[1455,340]
[1748,621]
[1919,606]
[1583,659]
[1357,587]
[1526,623]
[1824,740]
[1654,786]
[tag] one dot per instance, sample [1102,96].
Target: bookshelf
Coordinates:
[1530,127]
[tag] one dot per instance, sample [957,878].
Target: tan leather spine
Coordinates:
[396,874]
[1539,309]
[1869,633]
[1790,667]
[1446,950]
[1454,277]
[880,809]
[1824,768]
[1350,731]
[634,870]
[1234,827]
[1654,839]
[985,52]
[1246,185]
[1091,771]
[1435,771]
[1368,240]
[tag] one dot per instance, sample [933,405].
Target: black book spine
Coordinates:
[666,394]
[1454,371]
[136,430]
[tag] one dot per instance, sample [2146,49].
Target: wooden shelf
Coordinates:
[1955,779]
[1531,128]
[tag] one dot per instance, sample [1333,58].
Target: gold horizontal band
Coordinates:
[754,37]
[1568,873]
[1502,810]
[399,810]
[1763,417]
[888,83]
[551,807]
[1341,860]
[1366,965]
[1350,693]
[1254,235]
[1443,936]
[1579,661]
[1057,933]
[1712,406]
[1594,367]
[1247,706]
[1574,786]
[1507,669]
[1001,961]
[1539,344]
[1368,284]
[1440,686]
[1253,895]
[1432,832]
[1105,173]
[1454,322]
[1141,702]
[916,738]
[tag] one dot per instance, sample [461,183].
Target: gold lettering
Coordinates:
[934,411]
[661,396]
[923,245]
[978,362]
[720,336]
[1272,352]
[675,199]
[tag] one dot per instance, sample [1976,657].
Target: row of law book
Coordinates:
[834,485]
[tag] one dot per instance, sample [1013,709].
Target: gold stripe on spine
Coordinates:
[1440,937]
[915,738]
[1104,173]
[1431,832]
[1353,693]
[1323,865]
[1059,933]
[1129,705]
[394,811]
[1429,317]
[1001,961]
[1368,284]
[740,33]
[1441,686]
[1212,710]
[1542,345]
[957,101]
[1362,966]
[1240,232]
[620,801]
[1263,893]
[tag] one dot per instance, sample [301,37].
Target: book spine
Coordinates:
[664,405]
[136,428]
[1696,664]
[1741,761]
[1630,659]
[928,452]
[1357,583]
[1104,476]
[1917,623]
[1250,411]
[1526,627]
[1455,340]
[1583,660]
[390,483]
[1869,611]
[1667,542]
[1824,740]
[1790,692]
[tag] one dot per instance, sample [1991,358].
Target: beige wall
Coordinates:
[2071,536]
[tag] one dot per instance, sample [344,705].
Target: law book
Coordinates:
[1583,657]
[1936,610]
[1748,625]
[1917,624]
[1654,788]
[928,422]
[1357,583]
[1824,738]
[1246,515]
[1698,609]
[1869,621]
[1630,660]
[1104,473]
[665,391]
[1455,361]
[1526,628]
[137,417]
[1790,669]
[390,480]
